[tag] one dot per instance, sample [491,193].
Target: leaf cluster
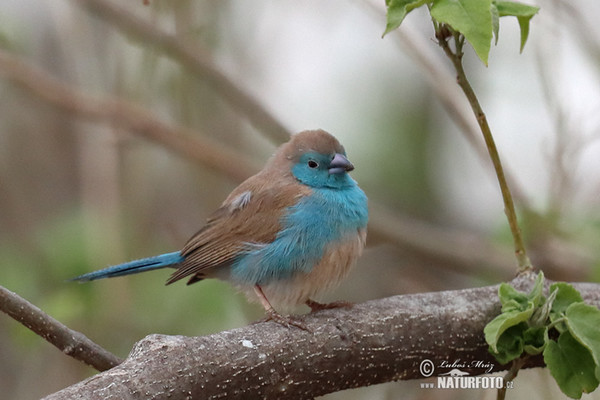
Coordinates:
[560,326]
[476,20]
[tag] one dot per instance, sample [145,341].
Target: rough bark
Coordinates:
[373,342]
[70,342]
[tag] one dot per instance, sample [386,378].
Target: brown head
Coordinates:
[315,158]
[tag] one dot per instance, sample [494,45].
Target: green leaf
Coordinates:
[565,296]
[535,295]
[523,12]
[516,9]
[571,365]
[535,340]
[583,322]
[494,330]
[517,307]
[512,298]
[495,22]
[510,344]
[542,313]
[397,10]
[472,18]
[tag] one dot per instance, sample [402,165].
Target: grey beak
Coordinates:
[340,164]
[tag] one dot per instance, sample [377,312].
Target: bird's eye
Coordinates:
[313,164]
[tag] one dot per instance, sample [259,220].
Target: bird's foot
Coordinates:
[284,320]
[316,306]
[274,316]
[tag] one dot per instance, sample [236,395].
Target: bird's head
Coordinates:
[317,159]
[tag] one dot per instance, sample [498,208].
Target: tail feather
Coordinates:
[133,267]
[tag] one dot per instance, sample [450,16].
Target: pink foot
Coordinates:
[284,320]
[274,316]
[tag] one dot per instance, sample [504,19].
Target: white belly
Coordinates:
[335,264]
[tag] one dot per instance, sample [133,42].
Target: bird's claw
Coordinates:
[284,320]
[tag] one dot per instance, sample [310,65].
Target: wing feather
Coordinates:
[250,216]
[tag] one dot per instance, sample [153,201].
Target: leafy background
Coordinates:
[76,196]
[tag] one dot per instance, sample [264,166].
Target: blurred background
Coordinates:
[107,133]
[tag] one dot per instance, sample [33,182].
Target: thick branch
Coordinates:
[70,342]
[374,342]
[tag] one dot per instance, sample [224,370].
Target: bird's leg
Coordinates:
[316,306]
[273,315]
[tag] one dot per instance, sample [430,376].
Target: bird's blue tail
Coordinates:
[133,267]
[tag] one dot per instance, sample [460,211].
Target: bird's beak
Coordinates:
[340,164]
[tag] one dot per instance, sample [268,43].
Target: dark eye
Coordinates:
[313,164]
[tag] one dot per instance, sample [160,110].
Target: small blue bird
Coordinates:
[284,235]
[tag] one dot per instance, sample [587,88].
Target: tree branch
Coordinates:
[70,342]
[442,33]
[443,84]
[374,342]
[457,248]
[194,59]
[129,117]
[465,251]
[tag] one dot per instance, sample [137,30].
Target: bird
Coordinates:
[283,236]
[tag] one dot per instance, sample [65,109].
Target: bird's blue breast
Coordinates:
[317,220]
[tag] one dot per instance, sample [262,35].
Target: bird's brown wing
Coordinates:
[249,217]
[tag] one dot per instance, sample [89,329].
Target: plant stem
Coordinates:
[443,32]
[556,322]
[511,375]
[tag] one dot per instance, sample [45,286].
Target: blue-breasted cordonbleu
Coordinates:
[284,235]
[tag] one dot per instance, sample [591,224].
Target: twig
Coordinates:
[454,248]
[570,133]
[443,32]
[128,116]
[70,342]
[458,248]
[374,342]
[559,259]
[461,249]
[450,96]
[194,59]
[511,374]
